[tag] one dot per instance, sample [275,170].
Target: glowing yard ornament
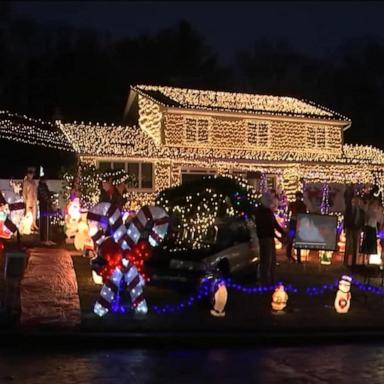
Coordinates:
[279,298]
[82,237]
[278,244]
[98,222]
[343,295]
[25,227]
[376,258]
[219,298]
[123,270]
[72,218]
[4,232]
[304,253]
[97,279]
[12,210]
[325,257]
[341,242]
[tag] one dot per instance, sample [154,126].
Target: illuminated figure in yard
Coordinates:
[343,295]
[30,196]
[219,298]
[279,298]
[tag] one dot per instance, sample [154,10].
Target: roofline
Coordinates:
[339,116]
[345,124]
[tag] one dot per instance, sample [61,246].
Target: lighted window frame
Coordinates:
[316,136]
[258,133]
[196,130]
[140,187]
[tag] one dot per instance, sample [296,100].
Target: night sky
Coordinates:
[314,27]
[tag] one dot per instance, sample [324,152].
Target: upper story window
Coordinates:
[316,137]
[258,133]
[196,130]
[142,173]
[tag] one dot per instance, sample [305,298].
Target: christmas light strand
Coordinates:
[234,102]
[23,129]
[204,291]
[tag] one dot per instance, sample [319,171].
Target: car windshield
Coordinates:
[227,232]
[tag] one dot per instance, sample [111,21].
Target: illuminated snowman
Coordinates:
[82,238]
[72,218]
[279,298]
[343,295]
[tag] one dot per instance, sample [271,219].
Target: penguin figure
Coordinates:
[219,297]
[343,295]
[279,298]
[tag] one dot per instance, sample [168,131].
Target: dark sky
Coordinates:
[314,27]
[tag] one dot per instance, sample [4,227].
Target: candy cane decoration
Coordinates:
[151,223]
[98,218]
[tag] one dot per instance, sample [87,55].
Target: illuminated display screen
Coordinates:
[314,231]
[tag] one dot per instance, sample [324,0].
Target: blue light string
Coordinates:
[320,290]
[368,287]
[204,291]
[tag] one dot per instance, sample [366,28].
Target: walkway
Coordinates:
[48,290]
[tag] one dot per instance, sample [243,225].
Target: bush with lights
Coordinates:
[195,206]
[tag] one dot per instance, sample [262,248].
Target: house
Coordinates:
[176,134]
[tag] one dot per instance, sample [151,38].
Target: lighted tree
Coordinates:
[88,184]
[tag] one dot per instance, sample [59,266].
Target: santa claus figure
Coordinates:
[279,298]
[343,295]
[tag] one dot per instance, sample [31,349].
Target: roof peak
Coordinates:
[225,101]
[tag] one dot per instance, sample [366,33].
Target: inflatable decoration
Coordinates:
[12,210]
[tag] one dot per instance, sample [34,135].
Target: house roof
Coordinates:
[23,129]
[101,140]
[237,102]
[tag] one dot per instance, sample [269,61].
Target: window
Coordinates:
[119,165]
[316,137]
[258,133]
[133,170]
[191,174]
[142,173]
[105,166]
[196,131]
[271,181]
[146,175]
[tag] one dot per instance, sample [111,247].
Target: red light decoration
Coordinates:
[112,254]
[138,255]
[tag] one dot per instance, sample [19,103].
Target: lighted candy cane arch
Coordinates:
[105,220]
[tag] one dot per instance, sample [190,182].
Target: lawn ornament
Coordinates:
[279,298]
[343,295]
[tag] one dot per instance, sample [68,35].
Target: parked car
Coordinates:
[231,246]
